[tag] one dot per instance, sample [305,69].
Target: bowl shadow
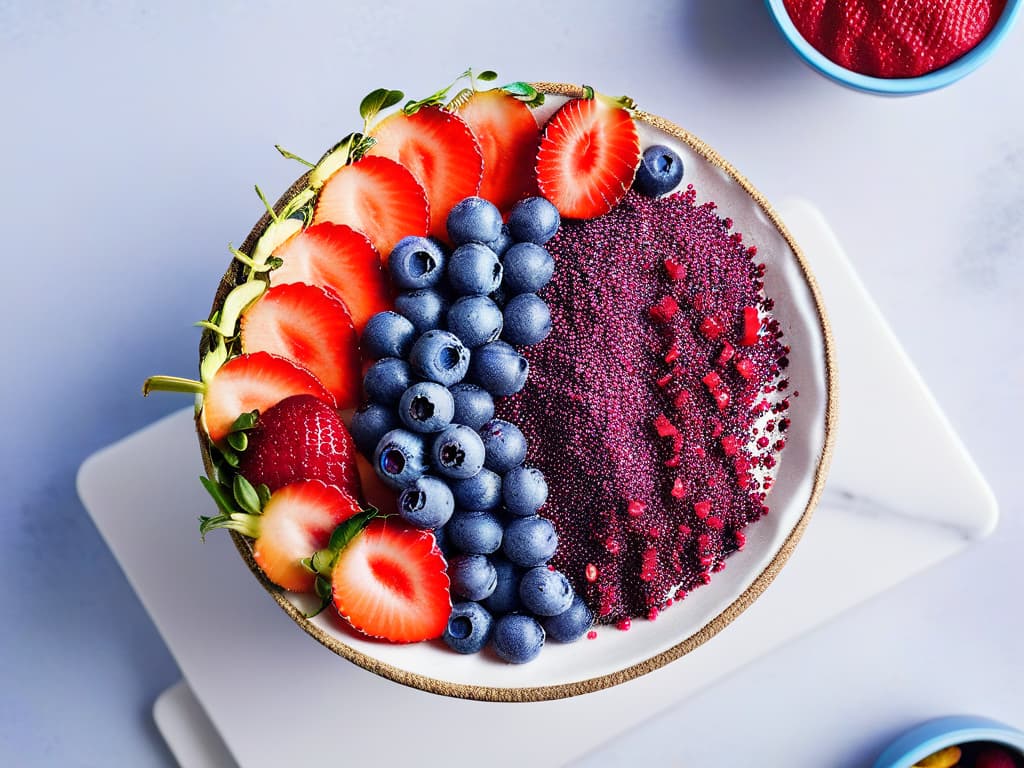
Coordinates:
[737,41]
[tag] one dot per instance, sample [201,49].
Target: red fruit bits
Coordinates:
[712,327]
[665,309]
[751,327]
[653,414]
[635,508]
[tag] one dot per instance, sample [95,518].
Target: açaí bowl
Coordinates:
[616,656]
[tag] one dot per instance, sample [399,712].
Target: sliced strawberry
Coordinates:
[340,259]
[588,157]
[296,522]
[311,327]
[390,582]
[442,153]
[377,196]
[300,438]
[375,492]
[509,139]
[256,381]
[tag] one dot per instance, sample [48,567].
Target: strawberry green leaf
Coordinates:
[333,159]
[246,495]
[247,525]
[292,156]
[349,529]
[487,75]
[229,456]
[377,101]
[239,441]
[321,561]
[245,422]
[214,359]
[263,491]
[323,591]
[438,97]
[221,495]
[361,146]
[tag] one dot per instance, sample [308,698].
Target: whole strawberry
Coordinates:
[300,438]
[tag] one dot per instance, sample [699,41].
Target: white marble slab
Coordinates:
[248,666]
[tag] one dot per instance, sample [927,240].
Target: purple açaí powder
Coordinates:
[640,406]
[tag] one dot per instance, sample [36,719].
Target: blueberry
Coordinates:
[505,445]
[529,541]
[426,407]
[475,533]
[458,452]
[527,268]
[474,269]
[472,576]
[660,171]
[481,491]
[500,296]
[469,628]
[439,356]
[368,425]
[545,592]
[475,319]
[474,220]
[527,320]
[533,220]
[387,334]
[505,597]
[416,262]
[386,380]
[474,405]
[427,503]
[524,490]
[502,242]
[400,458]
[499,369]
[571,624]
[424,308]
[517,638]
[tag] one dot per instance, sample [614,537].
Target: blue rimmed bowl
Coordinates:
[929,737]
[896,86]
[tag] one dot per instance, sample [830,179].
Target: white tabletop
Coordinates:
[132,135]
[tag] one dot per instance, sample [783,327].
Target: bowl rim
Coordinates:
[905,86]
[714,625]
[932,735]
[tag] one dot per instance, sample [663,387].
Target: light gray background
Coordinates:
[130,137]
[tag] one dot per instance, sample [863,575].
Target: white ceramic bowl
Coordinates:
[616,656]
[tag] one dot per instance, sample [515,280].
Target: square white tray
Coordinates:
[271,692]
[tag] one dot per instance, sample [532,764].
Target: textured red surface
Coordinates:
[894,38]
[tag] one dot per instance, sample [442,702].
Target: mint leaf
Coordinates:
[525,93]
[378,100]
